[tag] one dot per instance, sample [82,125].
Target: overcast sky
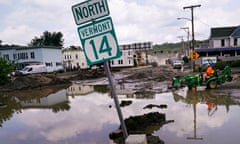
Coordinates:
[134,20]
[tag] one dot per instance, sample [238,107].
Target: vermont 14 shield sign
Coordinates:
[99,41]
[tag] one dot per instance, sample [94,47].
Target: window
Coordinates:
[32,54]
[25,55]
[58,64]
[222,43]
[49,64]
[235,42]
[120,61]
[15,56]
[238,52]
[76,56]
[129,52]
[6,57]
[22,55]
[30,70]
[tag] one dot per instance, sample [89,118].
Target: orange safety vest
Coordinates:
[210,71]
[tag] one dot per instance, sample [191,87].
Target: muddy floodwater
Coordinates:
[85,114]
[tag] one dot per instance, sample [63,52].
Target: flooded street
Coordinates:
[85,114]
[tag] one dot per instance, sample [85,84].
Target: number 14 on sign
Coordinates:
[104,47]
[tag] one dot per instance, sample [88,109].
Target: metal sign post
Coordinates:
[114,95]
[99,40]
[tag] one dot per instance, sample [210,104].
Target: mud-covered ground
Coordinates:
[46,80]
[159,79]
[148,77]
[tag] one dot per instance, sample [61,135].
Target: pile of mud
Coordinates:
[33,81]
[161,73]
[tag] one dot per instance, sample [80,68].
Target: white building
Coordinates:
[132,55]
[73,58]
[49,55]
[126,60]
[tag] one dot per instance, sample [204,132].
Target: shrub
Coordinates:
[235,63]
[185,59]
[5,69]
[220,65]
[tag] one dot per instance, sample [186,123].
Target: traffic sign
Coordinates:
[99,41]
[89,10]
[194,55]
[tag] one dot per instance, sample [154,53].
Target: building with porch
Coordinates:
[224,42]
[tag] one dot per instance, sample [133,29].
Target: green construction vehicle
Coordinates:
[192,81]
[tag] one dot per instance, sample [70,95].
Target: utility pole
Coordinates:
[193,45]
[192,7]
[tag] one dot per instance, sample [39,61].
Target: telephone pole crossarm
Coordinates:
[192,7]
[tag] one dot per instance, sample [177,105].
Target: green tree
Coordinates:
[6,68]
[48,39]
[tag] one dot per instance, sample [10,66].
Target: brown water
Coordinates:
[85,114]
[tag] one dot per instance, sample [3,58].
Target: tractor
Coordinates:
[192,81]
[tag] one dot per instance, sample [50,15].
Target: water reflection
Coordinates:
[9,106]
[208,118]
[212,98]
[79,89]
[82,114]
[15,104]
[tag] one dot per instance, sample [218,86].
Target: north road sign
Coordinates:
[89,10]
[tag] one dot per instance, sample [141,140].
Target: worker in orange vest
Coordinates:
[209,72]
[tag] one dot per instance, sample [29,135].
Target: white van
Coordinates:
[33,69]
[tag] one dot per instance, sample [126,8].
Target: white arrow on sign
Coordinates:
[90,10]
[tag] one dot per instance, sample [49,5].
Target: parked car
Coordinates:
[177,64]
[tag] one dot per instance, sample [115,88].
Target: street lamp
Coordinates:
[186,29]
[182,40]
[191,46]
[180,18]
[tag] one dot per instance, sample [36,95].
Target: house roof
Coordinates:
[224,31]
[236,33]
[26,47]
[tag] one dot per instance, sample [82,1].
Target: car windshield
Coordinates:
[26,69]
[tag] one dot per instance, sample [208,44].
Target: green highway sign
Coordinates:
[99,41]
[89,10]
